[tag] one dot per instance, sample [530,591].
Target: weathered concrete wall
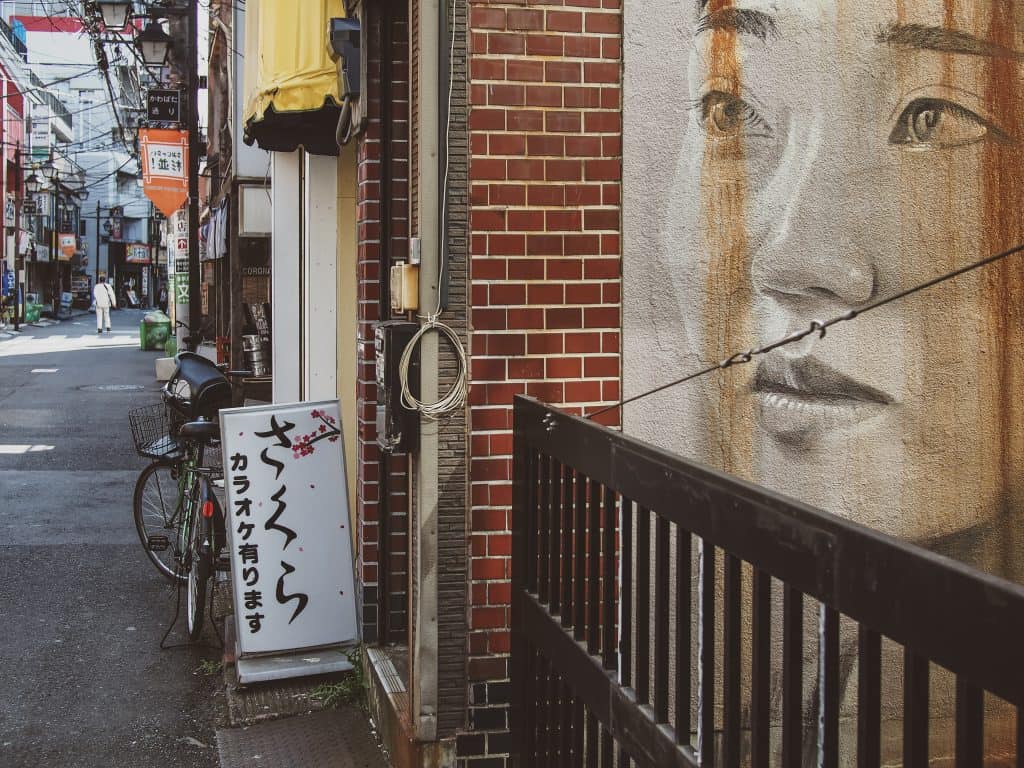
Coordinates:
[791,160]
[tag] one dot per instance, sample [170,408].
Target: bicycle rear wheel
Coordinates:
[199,563]
[156,508]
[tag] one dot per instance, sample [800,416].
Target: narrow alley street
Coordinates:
[82,612]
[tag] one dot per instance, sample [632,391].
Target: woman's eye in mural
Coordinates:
[939,124]
[724,116]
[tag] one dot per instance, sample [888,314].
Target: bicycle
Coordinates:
[177,516]
[194,337]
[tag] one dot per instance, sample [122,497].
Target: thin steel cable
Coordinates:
[816,326]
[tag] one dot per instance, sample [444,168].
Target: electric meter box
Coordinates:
[398,427]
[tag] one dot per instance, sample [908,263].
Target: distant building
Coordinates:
[113,230]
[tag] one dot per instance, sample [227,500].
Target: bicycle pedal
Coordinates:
[158,543]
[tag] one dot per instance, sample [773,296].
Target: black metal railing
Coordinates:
[664,614]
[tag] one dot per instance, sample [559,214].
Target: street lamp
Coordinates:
[153,43]
[33,184]
[115,13]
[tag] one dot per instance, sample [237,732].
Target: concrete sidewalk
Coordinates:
[8,332]
[281,724]
[333,738]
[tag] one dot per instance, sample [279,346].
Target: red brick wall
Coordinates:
[373,256]
[545,172]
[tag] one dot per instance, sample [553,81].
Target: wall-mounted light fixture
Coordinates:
[153,43]
[115,13]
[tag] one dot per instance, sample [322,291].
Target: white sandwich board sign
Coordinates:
[287,519]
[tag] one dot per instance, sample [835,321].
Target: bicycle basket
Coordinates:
[151,431]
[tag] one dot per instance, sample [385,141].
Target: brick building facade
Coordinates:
[486,138]
[531,223]
[545,172]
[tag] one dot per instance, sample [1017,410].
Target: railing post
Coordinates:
[519,648]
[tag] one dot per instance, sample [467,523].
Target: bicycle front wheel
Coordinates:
[199,568]
[156,507]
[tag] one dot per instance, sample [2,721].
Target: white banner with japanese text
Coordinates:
[287,520]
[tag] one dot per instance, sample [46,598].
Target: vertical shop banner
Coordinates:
[287,519]
[177,258]
[164,167]
[171,308]
[67,245]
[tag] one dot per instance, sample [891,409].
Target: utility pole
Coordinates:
[54,256]
[19,193]
[194,276]
[97,256]
[190,16]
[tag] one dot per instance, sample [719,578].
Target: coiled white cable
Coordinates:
[455,398]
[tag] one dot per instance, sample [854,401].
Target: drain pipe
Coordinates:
[424,661]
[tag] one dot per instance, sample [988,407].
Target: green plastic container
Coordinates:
[154,330]
[171,347]
[32,312]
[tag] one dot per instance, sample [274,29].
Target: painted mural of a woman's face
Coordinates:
[836,151]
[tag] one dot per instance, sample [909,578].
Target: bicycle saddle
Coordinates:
[200,431]
[197,388]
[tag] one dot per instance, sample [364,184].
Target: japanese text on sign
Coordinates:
[288,526]
[165,160]
[165,165]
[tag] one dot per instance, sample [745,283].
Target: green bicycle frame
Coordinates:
[186,483]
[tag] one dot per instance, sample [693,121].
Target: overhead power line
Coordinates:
[816,326]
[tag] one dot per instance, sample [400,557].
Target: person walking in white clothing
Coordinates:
[103,296]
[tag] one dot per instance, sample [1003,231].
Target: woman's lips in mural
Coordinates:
[804,397]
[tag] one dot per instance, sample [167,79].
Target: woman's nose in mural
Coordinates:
[820,274]
[817,254]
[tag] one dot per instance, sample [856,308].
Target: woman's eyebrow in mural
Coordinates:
[742,20]
[944,40]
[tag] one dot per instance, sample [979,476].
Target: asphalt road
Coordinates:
[83,681]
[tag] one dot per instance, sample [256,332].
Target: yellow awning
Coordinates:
[291,84]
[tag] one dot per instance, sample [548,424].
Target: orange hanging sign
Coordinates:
[164,167]
[68,243]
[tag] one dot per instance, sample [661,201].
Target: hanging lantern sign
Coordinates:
[164,167]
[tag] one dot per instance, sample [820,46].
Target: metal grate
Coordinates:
[337,737]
